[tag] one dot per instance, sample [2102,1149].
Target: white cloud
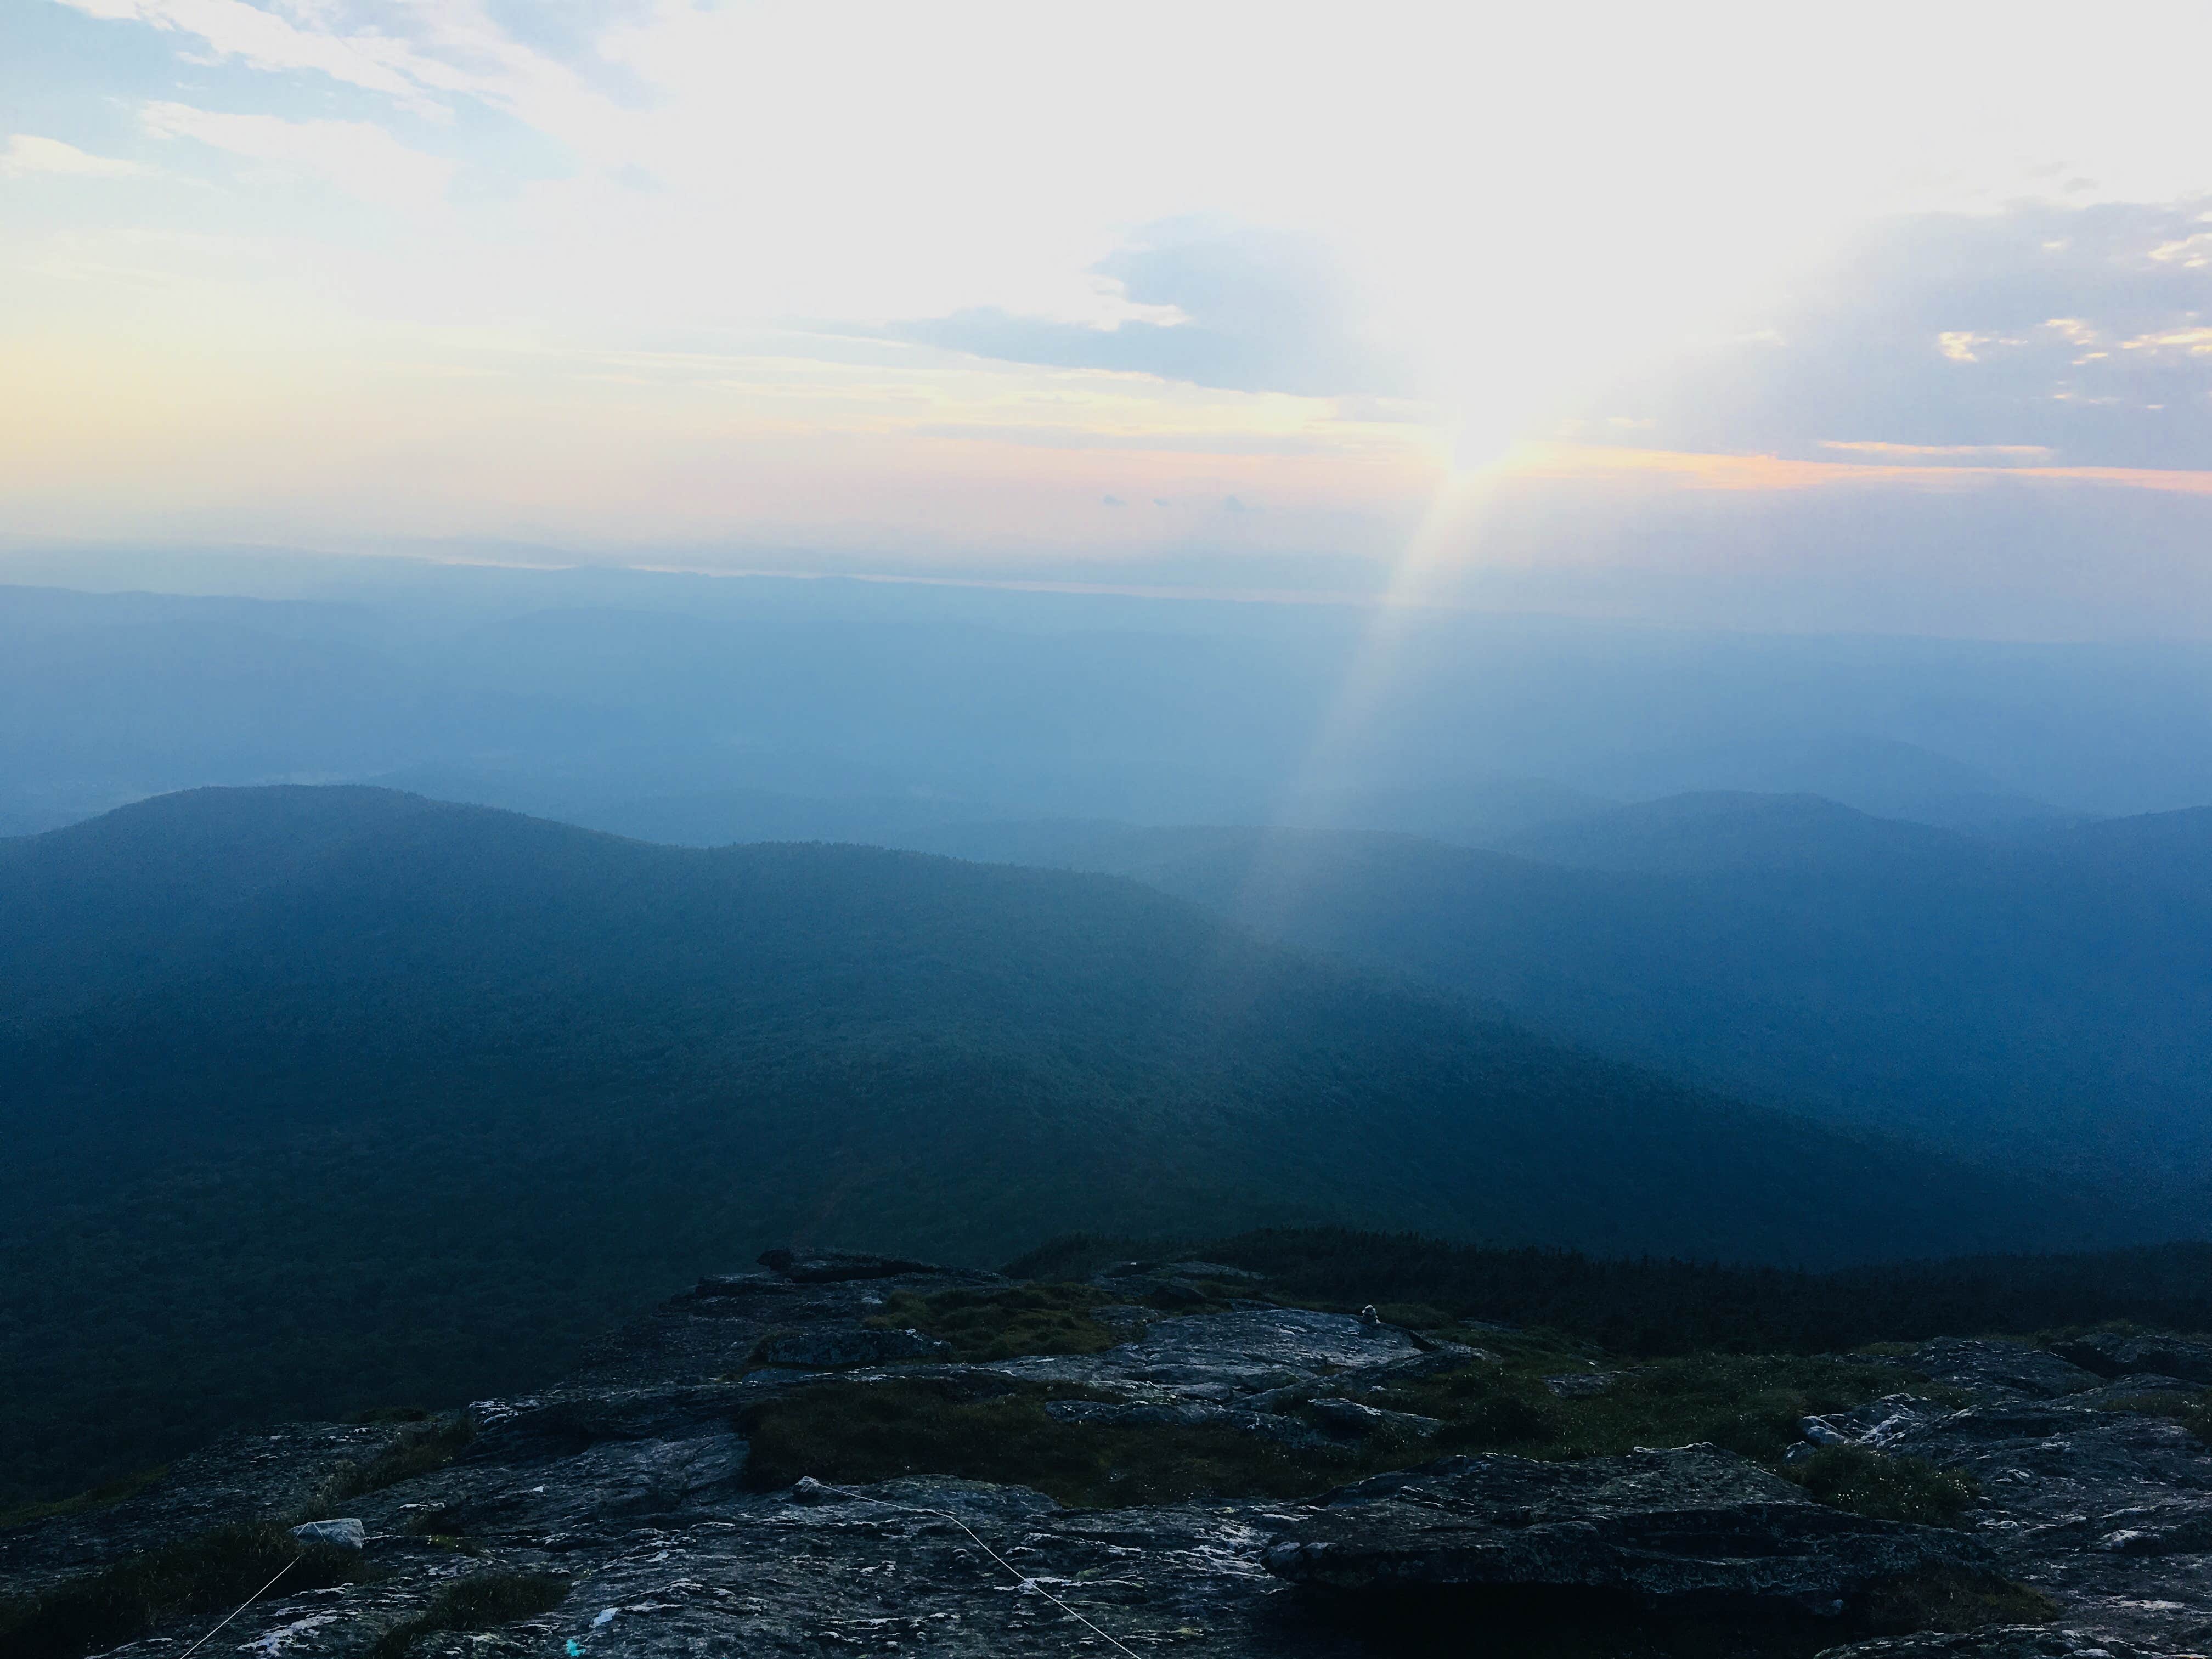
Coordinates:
[232,28]
[2194,252]
[360,158]
[1963,345]
[27,155]
[420,55]
[2197,342]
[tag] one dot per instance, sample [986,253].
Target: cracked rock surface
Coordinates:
[627,1483]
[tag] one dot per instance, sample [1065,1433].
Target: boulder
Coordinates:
[346,1533]
[1690,1526]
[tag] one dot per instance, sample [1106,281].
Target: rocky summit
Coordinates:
[842,1454]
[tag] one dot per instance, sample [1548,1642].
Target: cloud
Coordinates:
[2194,252]
[265,40]
[2084,334]
[1236,308]
[534,61]
[2197,342]
[360,158]
[27,156]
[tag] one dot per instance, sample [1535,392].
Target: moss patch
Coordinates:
[851,1434]
[998,1324]
[1749,1404]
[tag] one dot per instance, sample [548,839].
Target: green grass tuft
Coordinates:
[429,1445]
[1886,1488]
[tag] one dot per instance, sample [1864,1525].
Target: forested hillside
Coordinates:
[401,1099]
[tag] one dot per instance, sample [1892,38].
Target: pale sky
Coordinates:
[1485,294]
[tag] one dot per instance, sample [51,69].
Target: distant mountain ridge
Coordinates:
[713,711]
[2043,996]
[1723,829]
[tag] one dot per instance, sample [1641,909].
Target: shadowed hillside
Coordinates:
[2040,998]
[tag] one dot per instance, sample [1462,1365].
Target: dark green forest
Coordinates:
[319,1100]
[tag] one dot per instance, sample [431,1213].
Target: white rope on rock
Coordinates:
[810,1484]
[241,1606]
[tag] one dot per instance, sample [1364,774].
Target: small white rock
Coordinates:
[347,1533]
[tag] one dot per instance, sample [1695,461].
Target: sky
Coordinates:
[1808,317]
